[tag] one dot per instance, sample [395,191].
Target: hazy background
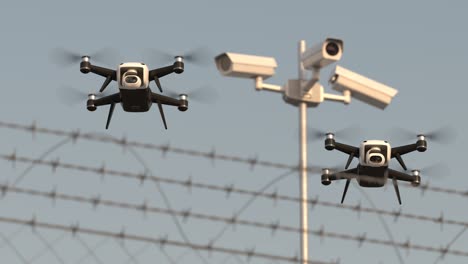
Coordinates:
[418,47]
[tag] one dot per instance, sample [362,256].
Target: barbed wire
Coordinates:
[186,214]
[164,149]
[228,190]
[163,241]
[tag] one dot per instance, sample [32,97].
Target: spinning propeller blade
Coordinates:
[437,170]
[71,95]
[349,132]
[65,57]
[443,135]
[199,56]
[202,94]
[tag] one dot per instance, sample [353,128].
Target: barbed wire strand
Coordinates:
[457,236]
[96,246]
[76,229]
[49,247]
[273,227]
[57,146]
[229,189]
[384,224]
[167,203]
[251,200]
[212,155]
[15,249]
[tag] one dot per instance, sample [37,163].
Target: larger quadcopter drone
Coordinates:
[374,157]
[133,80]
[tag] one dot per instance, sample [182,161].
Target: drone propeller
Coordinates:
[64,57]
[199,56]
[71,95]
[443,135]
[349,132]
[202,94]
[436,170]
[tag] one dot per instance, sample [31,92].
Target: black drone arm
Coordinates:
[161,72]
[401,176]
[159,99]
[331,144]
[397,152]
[177,67]
[110,75]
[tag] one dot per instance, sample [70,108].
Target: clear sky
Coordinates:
[417,47]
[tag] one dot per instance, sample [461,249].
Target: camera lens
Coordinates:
[131,79]
[332,48]
[375,159]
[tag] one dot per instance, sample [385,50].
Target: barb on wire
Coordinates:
[229,189]
[360,239]
[140,238]
[124,142]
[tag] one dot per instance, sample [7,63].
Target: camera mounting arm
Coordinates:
[86,67]
[260,85]
[177,67]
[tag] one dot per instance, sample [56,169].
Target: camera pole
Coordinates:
[304,214]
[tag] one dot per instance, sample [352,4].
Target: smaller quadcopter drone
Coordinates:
[133,79]
[374,157]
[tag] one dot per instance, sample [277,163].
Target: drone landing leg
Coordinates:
[161,111]
[397,190]
[109,117]
[345,190]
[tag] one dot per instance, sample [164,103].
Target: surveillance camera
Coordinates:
[132,75]
[362,88]
[375,153]
[322,54]
[245,66]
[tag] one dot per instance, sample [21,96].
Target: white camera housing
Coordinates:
[375,153]
[245,66]
[133,75]
[362,88]
[322,54]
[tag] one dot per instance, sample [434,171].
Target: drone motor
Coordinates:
[417,178]
[179,64]
[330,141]
[85,65]
[421,144]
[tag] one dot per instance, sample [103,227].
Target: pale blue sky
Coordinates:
[416,47]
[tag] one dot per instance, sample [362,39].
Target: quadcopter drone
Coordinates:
[133,80]
[374,157]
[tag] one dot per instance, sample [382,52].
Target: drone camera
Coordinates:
[417,178]
[132,75]
[90,103]
[326,177]
[421,144]
[375,153]
[179,64]
[362,88]
[85,65]
[330,141]
[183,106]
[322,54]
[245,66]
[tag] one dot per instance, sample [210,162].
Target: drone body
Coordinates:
[133,80]
[374,158]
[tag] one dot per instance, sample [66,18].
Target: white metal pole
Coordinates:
[303,163]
